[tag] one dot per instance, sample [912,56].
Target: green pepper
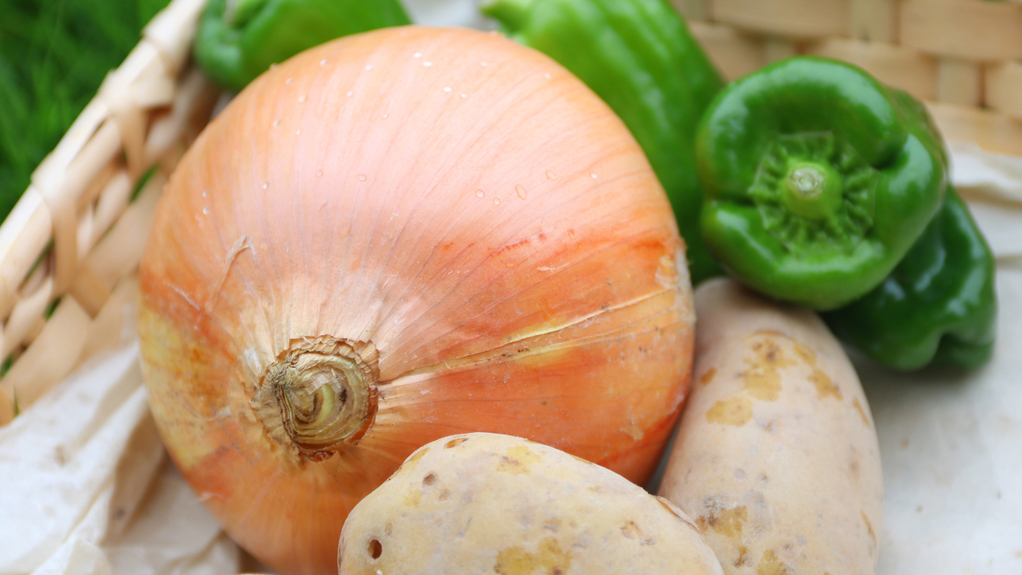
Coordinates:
[818,180]
[641,59]
[239,39]
[938,307]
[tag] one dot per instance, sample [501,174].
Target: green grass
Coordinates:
[53,56]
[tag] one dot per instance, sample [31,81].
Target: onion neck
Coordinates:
[319,395]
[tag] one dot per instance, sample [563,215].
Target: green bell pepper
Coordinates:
[239,39]
[938,307]
[641,59]
[818,180]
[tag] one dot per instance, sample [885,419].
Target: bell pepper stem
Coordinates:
[812,189]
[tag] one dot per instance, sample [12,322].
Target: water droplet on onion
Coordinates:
[480,193]
[520,190]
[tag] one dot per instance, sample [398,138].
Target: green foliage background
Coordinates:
[53,56]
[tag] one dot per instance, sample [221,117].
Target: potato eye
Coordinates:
[375,548]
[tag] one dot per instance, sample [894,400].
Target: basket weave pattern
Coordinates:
[70,247]
[962,57]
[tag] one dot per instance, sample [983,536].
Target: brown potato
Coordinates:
[776,455]
[488,503]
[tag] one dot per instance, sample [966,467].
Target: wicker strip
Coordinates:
[73,241]
[785,18]
[1003,88]
[963,29]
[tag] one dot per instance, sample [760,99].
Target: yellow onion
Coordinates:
[395,237]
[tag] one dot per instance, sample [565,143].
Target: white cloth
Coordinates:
[87,487]
[951,443]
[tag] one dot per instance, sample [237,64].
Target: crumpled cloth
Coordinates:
[88,489]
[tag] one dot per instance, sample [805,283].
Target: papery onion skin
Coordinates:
[453,202]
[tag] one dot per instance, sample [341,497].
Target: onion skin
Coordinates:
[305,216]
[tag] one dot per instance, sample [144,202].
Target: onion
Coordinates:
[395,237]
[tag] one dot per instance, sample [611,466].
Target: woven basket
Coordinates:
[963,58]
[70,248]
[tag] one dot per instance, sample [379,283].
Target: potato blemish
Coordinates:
[862,412]
[735,411]
[708,376]
[768,352]
[632,531]
[805,352]
[769,564]
[743,556]
[824,386]
[763,384]
[762,379]
[415,457]
[725,521]
[517,460]
[869,527]
[455,442]
[412,498]
[549,559]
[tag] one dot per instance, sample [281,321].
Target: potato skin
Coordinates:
[776,455]
[489,503]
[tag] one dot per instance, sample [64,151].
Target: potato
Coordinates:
[776,455]
[488,503]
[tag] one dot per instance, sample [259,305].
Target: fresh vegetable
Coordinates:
[776,457]
[239,39]
[818,180]
[390,238]
[938,307]
[485,503]
[54,55]
[639,56]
